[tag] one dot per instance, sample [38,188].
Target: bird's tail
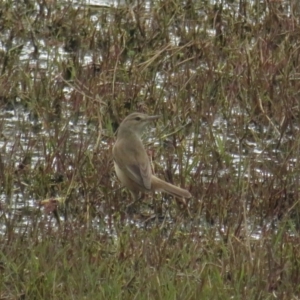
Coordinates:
[161,185]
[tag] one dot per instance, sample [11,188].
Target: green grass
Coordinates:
[145,264]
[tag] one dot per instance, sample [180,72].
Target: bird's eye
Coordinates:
[137,118]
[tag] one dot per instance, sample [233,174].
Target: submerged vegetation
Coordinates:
[225,79]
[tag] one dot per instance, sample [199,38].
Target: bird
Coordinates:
[131,162]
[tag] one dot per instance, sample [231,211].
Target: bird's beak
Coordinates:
[151,118]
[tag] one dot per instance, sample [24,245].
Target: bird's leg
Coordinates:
[136,198]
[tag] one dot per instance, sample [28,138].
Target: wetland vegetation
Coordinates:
[224,76]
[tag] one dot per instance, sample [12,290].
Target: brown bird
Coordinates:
[132,163]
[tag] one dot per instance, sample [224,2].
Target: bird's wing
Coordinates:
[141,171]
[134,162]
